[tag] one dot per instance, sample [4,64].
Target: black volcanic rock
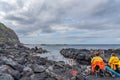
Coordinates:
[84,56]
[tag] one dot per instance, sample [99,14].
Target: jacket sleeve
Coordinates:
[119,64]
[92,60]
[118,59]
[110,61]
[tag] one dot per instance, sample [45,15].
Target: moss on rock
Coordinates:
[7,35]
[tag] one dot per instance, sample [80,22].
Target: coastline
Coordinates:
[18,62]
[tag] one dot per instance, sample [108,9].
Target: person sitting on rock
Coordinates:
[97,63]
[113,62]
[119,66]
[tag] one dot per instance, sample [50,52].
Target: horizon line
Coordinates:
[68,44]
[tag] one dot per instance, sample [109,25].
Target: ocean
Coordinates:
[54,50]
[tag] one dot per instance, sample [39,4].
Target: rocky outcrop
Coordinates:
[18,63]
[84,56]
[39,50]
[7,35]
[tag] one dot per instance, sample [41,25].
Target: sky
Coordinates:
[63,21]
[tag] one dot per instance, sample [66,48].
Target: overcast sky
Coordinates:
[63,21]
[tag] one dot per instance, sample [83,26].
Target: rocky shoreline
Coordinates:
[18,62]
[83,56]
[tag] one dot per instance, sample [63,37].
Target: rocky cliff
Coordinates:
[7,35]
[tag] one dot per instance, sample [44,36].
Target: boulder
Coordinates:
[8,70]
[40,76]
[4,76]
[38,68]
[11,63]
[27,72]
[25,78]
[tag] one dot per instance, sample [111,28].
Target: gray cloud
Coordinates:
[31,16]
[20,3]
[6,7]
[109,9]
[21,19]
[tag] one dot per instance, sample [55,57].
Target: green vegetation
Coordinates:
[7,35]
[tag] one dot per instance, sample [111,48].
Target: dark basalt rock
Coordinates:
[84,56]
[17,63]
[39,50]
[21,65]
[38,68]
[4,76]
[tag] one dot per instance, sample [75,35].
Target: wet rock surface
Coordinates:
[39,50]
[84,56]
[19,63]
[83,59]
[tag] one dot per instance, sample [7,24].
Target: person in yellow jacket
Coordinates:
[113,61]
[97,62]
[119,66]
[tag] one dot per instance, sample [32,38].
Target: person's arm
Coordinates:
[110,61]
[92,60]
[117,58]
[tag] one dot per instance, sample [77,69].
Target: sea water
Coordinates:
[54,50]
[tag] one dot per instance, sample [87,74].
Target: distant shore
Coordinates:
[74,44]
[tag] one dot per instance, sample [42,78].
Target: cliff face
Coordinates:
[7,35]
